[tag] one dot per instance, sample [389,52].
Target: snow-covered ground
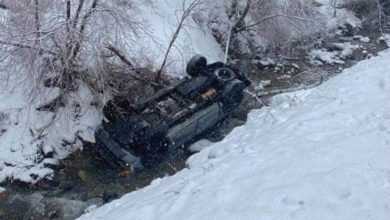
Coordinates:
[28,136]
[317,154]
[31,139]
[162,18]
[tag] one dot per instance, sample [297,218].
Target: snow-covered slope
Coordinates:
[162,17]
[318,154]
[31,139]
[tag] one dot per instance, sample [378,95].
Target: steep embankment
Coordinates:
[313,154]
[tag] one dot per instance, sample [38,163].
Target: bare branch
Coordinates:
[26,46]
[186,13]
[77,16]
[120,55]
[83,25]
[269,18]
[37,21]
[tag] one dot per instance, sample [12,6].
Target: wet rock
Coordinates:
[318,3]
[59,208]
[296,66]
[40,212]
[383,43]
[268,62]
[349,29]
[335,47]
[345,39]
[48,151]
[4,196]
[369,56]
[16,208]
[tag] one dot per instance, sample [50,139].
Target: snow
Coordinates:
[346,49]
[263,84]
[268,62]
[28,136]
[341,51]
[2,190]
[320,153]
[365,39]
[343,16]
[329,57]
[200,145]
[162,18]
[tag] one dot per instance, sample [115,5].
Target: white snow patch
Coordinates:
[2,190]
[346,49]
[263,84]
[200,145]
[268,62]
[364,39]
[340,51]
[324,56]
[322,152]
[27,135]
[162,18]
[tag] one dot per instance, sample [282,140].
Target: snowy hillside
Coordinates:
[318,154]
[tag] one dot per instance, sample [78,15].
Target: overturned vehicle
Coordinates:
[172,118]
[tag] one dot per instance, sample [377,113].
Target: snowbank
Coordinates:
[318,154]
[31,139]
[162,18]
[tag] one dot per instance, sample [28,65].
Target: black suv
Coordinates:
[173,117]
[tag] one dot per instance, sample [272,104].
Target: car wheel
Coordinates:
[196,65]
[233,93]
[224,75]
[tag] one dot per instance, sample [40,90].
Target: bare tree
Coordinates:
[61,39]
[188,10]
[278,21]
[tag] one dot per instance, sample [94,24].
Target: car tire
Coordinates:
[224,75]
[197,65]
[233,93]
